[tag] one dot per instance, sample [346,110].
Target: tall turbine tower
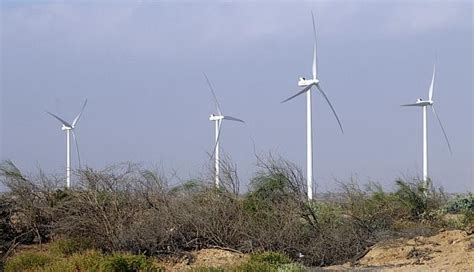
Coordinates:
[217,119]
[424,104]
[307,84]
[70,128]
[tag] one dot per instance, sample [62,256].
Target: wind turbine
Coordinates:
[69,127]
[307,84]
[424,104]
[218,119]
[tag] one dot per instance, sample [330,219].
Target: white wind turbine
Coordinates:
[424,104]
[70,128]
[307,84]
[218,118]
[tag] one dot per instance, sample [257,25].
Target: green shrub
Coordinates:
[467,219]
[89,260]
[327,214]
[412,195]
[270,258]
[256,266]
[292,267]
[28,260]
[269,262]
[460,204]
[67,247]
[208,269]
[262,261]
[61,265]
[125,262]
[463,220]
[371,208]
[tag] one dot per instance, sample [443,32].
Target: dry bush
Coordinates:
[229,179]
[280,218]
[273,206]
[7,233]
[27,207]
[119,208]
[129,208]
[209,218]
[409,210]
[370,207]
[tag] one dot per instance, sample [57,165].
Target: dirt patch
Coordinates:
[204,258]
[447,250]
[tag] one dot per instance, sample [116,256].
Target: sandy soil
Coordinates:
[204,258]
[446,251]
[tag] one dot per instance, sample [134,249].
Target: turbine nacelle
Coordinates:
[419,100]
[66,128]
[420,103]
[303,82]
[214,117]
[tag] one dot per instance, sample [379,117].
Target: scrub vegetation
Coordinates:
[127,218]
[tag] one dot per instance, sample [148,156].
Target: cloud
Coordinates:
[148,29]
[422,17]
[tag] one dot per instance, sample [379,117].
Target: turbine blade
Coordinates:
[411,105]
[217,140]
[300,92]
[213,95]
[330,105]
[77,148]
[430,93]
[315,65]
[59,119]
[79,115]
[233,119]
[442,128]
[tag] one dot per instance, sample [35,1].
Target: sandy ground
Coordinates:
[445,251]
[204,258]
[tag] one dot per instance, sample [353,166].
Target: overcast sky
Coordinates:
[140,65]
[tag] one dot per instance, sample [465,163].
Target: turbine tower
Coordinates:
[424,104]
[307,84]
[218,119]
[69,127]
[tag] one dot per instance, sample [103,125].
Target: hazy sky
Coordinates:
[140,64]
